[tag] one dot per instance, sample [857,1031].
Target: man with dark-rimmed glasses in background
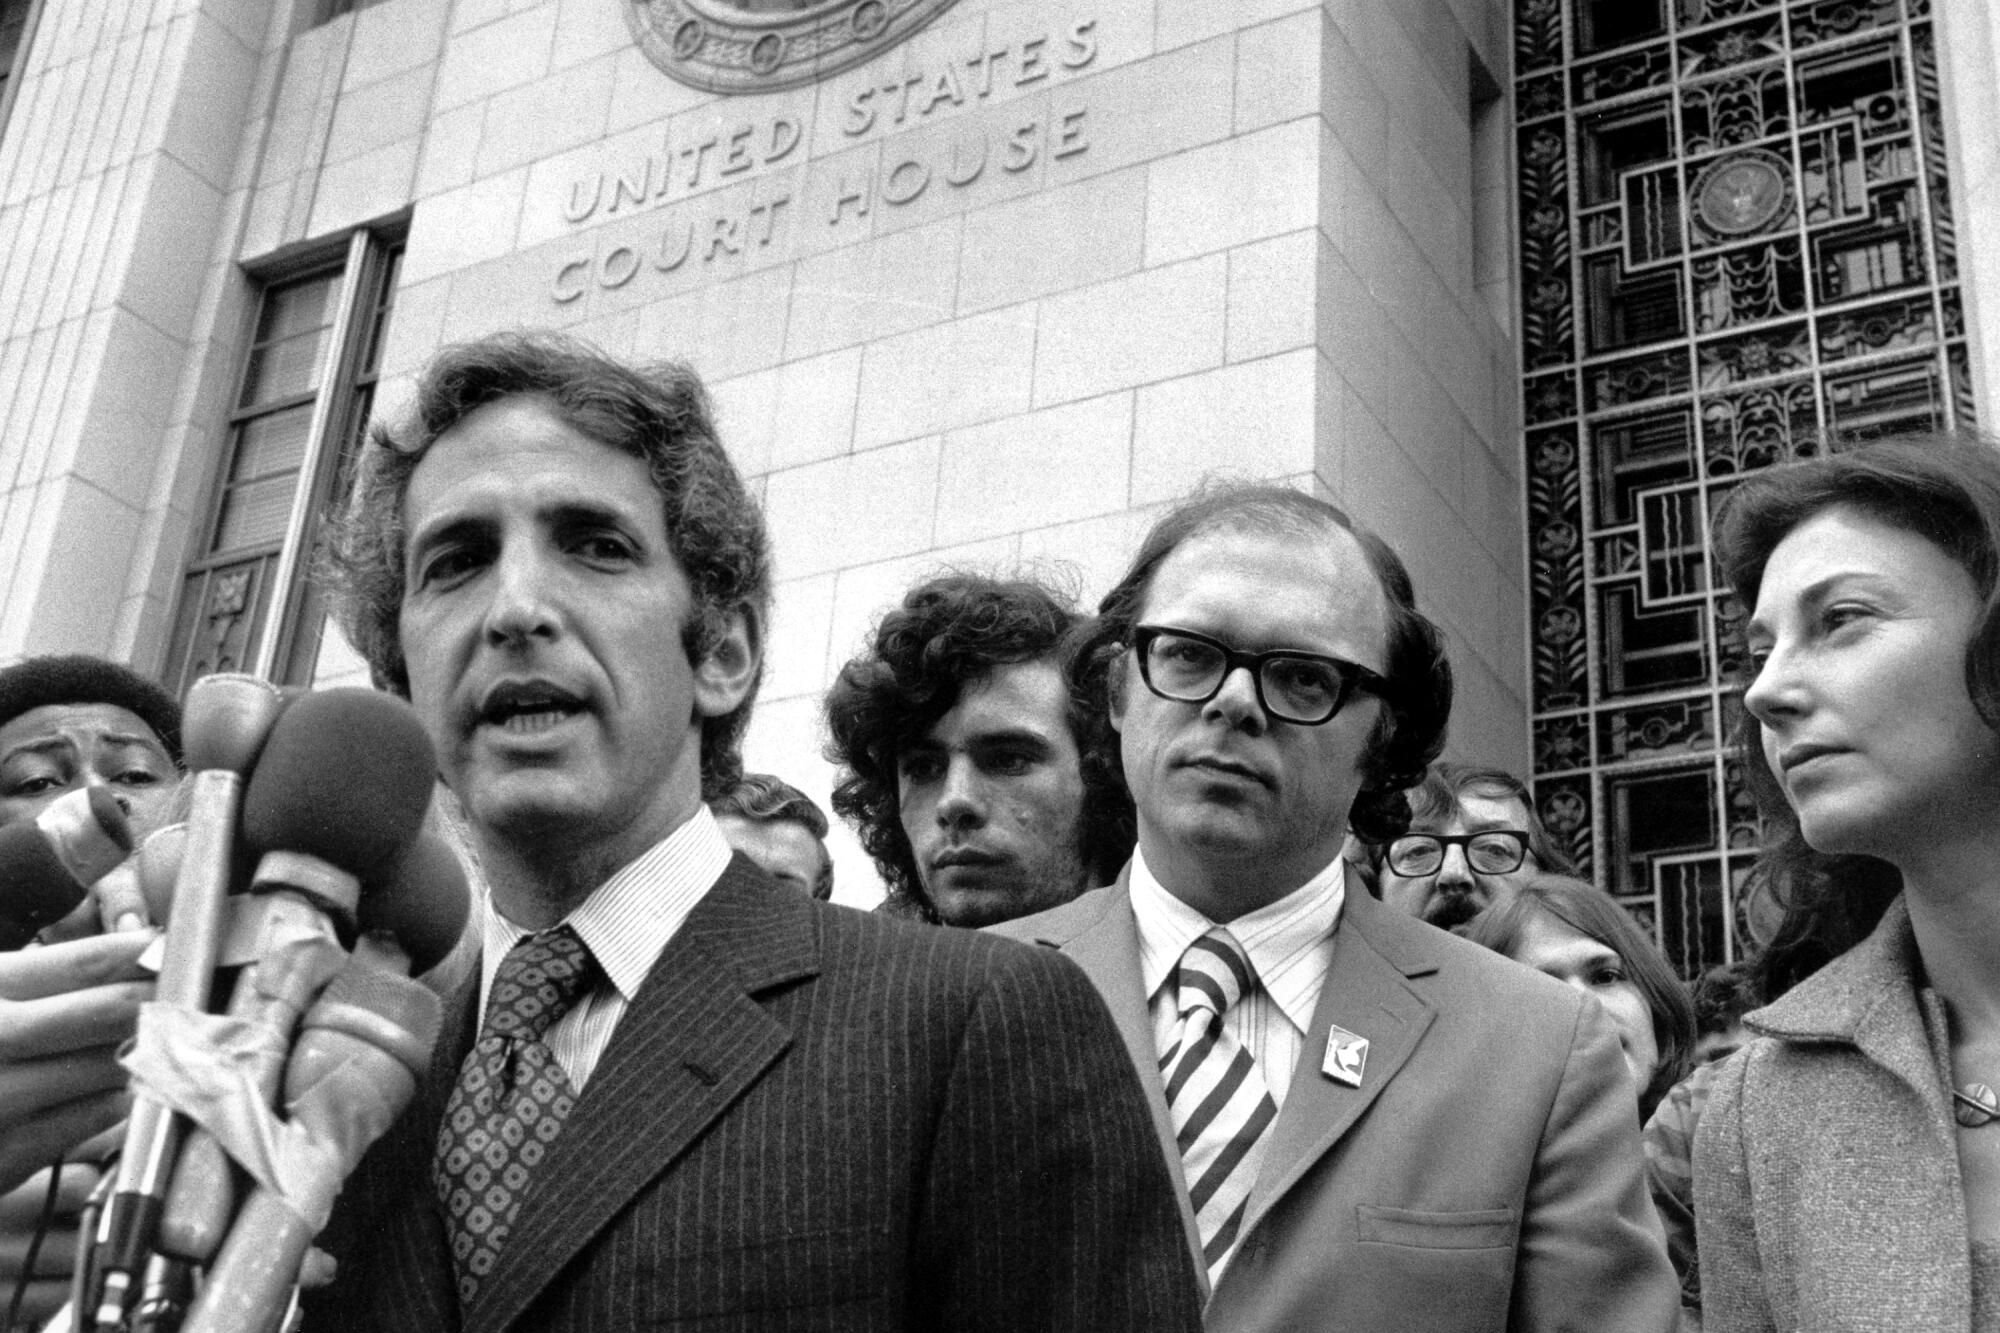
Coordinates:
[1374,1124]
[1473,841]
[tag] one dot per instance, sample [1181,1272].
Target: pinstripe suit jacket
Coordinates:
[810,1117]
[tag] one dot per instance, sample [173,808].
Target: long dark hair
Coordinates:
[1587,908]
[1942,487]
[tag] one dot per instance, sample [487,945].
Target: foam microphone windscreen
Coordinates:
[423,903]
[226,719]
[39,887]
[49,861]
[345,776]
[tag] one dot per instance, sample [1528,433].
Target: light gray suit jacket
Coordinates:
[1827,1189]
[1485,1175]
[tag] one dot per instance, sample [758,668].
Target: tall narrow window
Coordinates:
[14,30]
[308,383]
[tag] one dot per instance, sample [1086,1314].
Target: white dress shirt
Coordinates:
[1290,944]
[625,923]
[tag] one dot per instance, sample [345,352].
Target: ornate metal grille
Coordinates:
[1735,237]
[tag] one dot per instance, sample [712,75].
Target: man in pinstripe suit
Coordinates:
[694,1099]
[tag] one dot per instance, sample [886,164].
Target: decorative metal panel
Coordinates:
[1735,238]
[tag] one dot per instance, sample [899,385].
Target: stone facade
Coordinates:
[993,297]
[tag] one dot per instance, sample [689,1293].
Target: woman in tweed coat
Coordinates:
[1834,1187]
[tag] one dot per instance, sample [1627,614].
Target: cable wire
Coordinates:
[34,1254]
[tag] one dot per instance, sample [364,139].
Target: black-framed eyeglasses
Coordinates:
[1494,852]
[1306,688]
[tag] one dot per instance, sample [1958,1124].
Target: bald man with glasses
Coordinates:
[1374,1125]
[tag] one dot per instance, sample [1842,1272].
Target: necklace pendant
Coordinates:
[1974,1105]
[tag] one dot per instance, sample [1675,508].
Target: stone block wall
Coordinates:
[994,298]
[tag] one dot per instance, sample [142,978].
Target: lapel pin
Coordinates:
[1346,1057]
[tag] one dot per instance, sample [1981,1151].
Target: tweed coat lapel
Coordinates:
[692,1041]
[1888,1140]
[1366,992]
[1866,998]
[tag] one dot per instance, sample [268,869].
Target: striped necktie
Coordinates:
[1218,1099]
[510,1100]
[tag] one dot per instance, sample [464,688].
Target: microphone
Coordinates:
[362,1049]
[340,793]
[49,862]
[297,957]
[352,1072]
[223,727]
[409,925]
[424,905]
[338,798]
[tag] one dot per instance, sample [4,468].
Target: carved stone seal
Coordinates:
[756,46]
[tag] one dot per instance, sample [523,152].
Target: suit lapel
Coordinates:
[456,1034]
[415,1289]
[1366,993]
[692,1041]
[1100,934]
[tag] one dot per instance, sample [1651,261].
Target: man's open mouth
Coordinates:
[523,709]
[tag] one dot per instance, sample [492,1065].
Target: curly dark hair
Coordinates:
[1942,487]
[1586,908]
[765,798]
[1417,697]
[1722,995]
[950,632]
[79,679]
[659,413]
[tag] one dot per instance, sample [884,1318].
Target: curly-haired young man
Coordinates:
[967,768]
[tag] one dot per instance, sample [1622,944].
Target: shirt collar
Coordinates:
[627,920]
[1276,936]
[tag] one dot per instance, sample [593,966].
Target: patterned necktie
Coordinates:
[1218,1099]
[509,1102]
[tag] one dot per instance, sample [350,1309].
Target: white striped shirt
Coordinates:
[1290,943]
[625,922]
